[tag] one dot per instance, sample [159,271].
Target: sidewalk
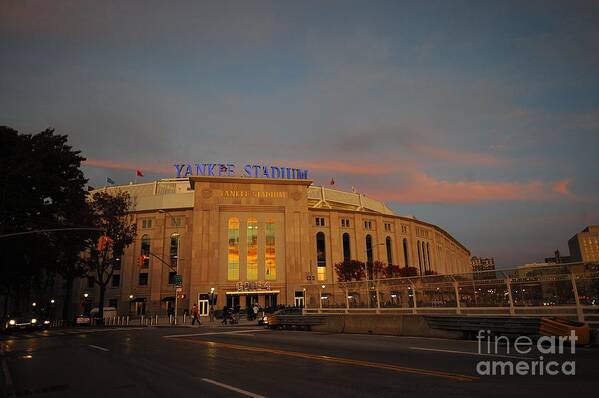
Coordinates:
[206,324]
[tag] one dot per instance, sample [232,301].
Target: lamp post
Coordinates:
[162,211]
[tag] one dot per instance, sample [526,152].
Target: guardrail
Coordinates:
[564,290]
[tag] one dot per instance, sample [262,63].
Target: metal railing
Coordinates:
[568,290]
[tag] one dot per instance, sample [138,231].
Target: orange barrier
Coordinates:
[563,327]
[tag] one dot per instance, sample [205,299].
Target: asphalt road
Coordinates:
[257,362]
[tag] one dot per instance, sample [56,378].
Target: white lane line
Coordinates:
[98,347]
[216,333]
[470,353]
[238,390]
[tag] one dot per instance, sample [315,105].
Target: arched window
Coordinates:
[252,249]
[145,251]
[321,257]
[419,257]
[405,253]
[369,258]
[233,256]
[174,248]
[270,255]
[389,250]
[346,247]
[428,256]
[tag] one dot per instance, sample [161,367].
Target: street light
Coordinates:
[52,301]
[162,211]
[85,295]
[130,297]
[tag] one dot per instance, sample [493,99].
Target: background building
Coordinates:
[482,263]
[584,246]
[251,239]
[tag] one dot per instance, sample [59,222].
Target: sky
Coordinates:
[480,117]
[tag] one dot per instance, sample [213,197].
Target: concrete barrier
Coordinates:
[395,325]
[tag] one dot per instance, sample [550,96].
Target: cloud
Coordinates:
[562,187]
[114,165]
[424,188]
[456,156]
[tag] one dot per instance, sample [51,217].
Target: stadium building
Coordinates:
[240,239]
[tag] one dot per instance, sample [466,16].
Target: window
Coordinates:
[117,264]
[143,279]
[233,257]
[113,303]
[419,257]
[176,221]
[346,247]
[320,221]
[367,224]
[171,277]
[428,256]
[321,256]
[116,280]
[270,252]
[174,248]
[90,281]
[345,223]
[405,252]
[387,226]
[145,251]
[404,229]
[252,247]
[146,223]
[369,258]
[389,250]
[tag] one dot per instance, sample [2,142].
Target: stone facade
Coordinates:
[277,221]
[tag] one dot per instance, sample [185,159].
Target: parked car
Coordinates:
[26,321]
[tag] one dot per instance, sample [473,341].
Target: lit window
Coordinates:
[321,256]
[252,247]
[270,252]
[233,258]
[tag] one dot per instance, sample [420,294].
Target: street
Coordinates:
[257,362]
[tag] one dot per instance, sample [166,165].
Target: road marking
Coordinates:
[228,387]
[98,347]
[344,361]
[215,333]
[470,353]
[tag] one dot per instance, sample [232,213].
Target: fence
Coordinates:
[567,290]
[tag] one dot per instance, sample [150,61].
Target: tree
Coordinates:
[349,270]
[375,270]
[110,213]
[408,271]
[41,187]
[392,271]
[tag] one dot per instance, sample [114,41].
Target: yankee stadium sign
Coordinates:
[248,170]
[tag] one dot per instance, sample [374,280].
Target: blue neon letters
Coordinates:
[248,170]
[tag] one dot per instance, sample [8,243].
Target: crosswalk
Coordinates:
[60,332]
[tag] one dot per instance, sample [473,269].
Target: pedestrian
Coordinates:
[255,310]
[225,315]
[195,314]
[211,313]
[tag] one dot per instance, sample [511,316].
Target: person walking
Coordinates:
[255,310]
[195,315]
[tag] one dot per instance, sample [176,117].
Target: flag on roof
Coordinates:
[110,181]
[138,173]
[332,181]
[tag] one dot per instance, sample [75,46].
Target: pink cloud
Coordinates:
[423,188]
[562,187]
